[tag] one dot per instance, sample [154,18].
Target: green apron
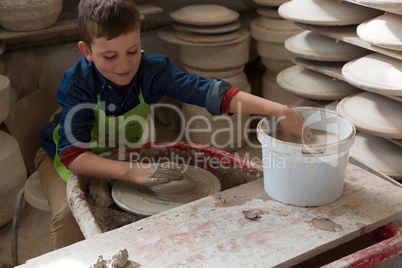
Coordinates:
[107,132]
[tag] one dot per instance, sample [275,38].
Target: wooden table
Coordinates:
[214,232]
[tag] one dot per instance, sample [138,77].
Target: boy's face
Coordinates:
[117,59]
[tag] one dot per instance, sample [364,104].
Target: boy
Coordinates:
[114,82]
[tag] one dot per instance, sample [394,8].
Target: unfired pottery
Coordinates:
[271,3]
[142,201]
[308,84]
[4,97]
[272,29]
[209,29]
[326,12]
[204,15]
[373,114]
[383,31]
[313,46]
[29,15]
[13,175]
[378,153]
[376,73]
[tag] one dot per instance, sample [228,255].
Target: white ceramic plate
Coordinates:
[378,153]
[383,31]
[326,12]
[308,84]
[376,73]
[141,200]
[373,114]
[389,4]
[204,15]
[313,46]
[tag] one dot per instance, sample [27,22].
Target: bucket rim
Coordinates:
[345,142]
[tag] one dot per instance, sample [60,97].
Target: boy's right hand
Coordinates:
[291,123]
[162,173]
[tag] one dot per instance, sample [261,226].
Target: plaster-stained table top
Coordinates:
[213,231]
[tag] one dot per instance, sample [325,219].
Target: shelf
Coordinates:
[395,11]
[72,24]
[348,34]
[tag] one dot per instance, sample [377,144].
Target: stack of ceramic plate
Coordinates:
[212,44]
[270,31]
[383,31]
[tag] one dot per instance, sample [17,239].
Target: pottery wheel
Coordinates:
[373,114]
[326,12]
[314,46]
[376,73]
[141,200]
[305,83]
[383,31]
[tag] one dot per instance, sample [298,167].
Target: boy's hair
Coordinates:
[107,18]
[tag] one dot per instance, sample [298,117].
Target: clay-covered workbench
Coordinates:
[214,232]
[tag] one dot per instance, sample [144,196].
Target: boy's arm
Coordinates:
[90,164]
[291,123]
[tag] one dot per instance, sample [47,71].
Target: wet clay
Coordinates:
[163,173]
[175,190]
[118,260]
[326,225]
[317,136]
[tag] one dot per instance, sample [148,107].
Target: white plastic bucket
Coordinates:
[306,175]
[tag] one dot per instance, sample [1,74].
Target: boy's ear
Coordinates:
[85,50]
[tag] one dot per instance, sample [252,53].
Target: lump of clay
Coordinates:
[177,189]
[118,260]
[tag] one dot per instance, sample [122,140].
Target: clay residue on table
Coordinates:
[326,224]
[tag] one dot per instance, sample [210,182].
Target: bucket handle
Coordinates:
[313,151]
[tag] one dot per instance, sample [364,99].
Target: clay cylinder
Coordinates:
[13,176]
[29,15]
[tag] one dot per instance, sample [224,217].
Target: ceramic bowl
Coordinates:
[29,15]
[326,12]
[204,14]
[393,6]
[273,30]
[308,84]
[313,46]
[375,72]
[383,31]
[373,114]
[271,3]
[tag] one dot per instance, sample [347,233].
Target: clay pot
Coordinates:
[274,56]
[4,97]
[13,176]
[220,60]
[29,15]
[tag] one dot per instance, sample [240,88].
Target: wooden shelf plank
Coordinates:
[72,24]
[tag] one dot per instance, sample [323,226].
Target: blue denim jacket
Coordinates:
[157,77]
